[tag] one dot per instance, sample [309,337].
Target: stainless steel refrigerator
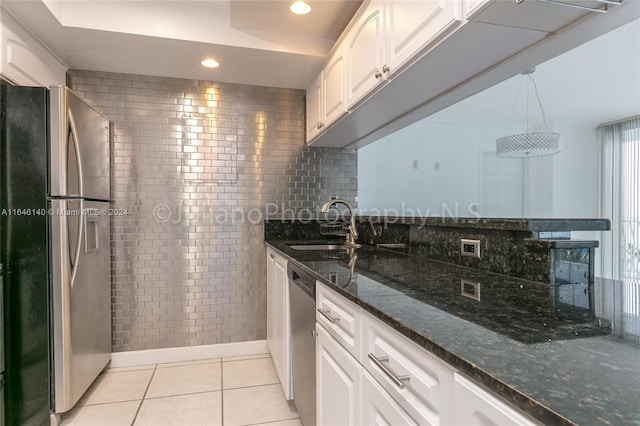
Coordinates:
[54,238]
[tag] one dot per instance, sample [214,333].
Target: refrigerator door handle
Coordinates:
[79,239]
[73,139]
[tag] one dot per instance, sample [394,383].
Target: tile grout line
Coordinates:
[144,395]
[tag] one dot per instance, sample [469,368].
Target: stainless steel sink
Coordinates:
[319,247]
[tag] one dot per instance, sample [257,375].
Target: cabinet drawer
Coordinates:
[417,380]
[378,408]
[474,405]
[340,317]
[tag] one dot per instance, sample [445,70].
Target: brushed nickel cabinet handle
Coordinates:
[380,362]
[385,68]
[327,314]
[377,75]
[271,255]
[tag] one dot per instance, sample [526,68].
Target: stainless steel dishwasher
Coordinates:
[302,309]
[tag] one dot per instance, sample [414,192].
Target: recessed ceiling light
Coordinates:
[210,63]
[300,8]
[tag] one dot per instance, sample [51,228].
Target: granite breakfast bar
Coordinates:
[539,347]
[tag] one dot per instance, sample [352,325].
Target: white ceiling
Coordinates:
[256,42]
[589,85]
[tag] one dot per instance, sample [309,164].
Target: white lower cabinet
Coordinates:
[340,317]
[338,383]
[421,383]
[369,374]
[476,406]
[378,408]
[278,322]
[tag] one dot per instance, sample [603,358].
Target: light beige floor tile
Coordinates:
[241,358]
[250,372]
[196,409]
[292,422]
[183,363]
[116,414]
[185,379]
[117,387]
[130,368]
[260,404]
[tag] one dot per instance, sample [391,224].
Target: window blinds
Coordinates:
[620,202]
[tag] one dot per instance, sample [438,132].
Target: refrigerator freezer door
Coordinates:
[79,148]
[24,239]
[81,296]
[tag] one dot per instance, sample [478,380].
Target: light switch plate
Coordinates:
[470,248]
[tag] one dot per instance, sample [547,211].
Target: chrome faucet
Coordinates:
[353,233]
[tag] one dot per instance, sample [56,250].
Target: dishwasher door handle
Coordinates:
[327,314]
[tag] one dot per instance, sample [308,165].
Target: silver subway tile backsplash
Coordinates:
[196,166]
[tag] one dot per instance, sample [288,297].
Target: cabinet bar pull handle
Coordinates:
[380,363]
[327,314]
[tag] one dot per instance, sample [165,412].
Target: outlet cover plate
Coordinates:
[470,248]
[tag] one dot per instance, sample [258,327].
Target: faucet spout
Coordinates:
[353,233]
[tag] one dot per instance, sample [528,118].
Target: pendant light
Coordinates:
[536,143]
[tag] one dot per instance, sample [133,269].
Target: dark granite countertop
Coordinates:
[505,224]
[540,347]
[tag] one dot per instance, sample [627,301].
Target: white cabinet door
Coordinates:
[278,329]
[413,25]
[314,108]
[476,406]
[365,53]
[24,60]
[472,7]
[333,87]
[338,383]
[378,408]
[420,383]
[271,309]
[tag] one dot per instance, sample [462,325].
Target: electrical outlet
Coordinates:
[470,248]
[470,289]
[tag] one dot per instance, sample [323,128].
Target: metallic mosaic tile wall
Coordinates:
[196,166]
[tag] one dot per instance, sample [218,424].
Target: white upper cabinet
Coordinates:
[333,87]
[365,52]
[389,34]
[532,15]
[471,7]
[412,25]
[326,94]
[314,108]
[24,60]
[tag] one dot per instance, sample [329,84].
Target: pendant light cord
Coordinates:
[515,104]
[544,117]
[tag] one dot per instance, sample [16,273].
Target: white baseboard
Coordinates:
[188,353]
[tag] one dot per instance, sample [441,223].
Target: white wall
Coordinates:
[561,186]
[576,187]
[387,180]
